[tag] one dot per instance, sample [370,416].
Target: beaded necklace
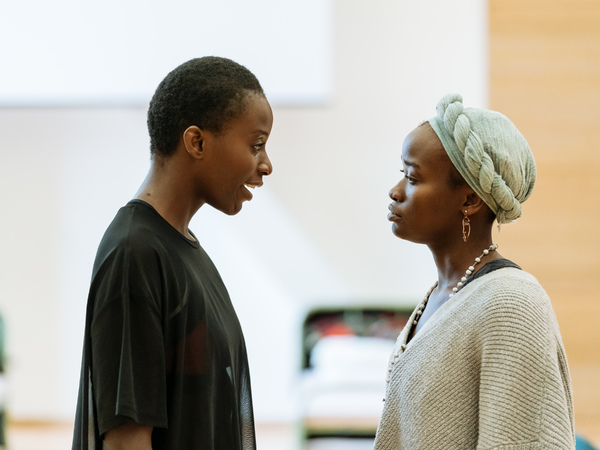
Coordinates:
[456,288]
[421,307]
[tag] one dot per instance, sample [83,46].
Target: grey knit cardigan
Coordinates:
[487,371]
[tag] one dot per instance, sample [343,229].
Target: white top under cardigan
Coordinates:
[487,371]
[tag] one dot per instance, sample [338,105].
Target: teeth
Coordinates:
[252,186]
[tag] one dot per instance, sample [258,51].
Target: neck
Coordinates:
[451,263]
[441,293]
[167,191]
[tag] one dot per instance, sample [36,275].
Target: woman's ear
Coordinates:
[193,138]
[473,203]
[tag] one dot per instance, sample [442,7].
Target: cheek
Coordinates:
[425,204]
[242,161]
[414,196]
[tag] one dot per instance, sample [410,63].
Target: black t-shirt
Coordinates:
[163,345]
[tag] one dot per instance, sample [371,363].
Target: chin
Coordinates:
[396,231]
[235,209]
[230,210]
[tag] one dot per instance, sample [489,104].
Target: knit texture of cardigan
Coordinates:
[486,371]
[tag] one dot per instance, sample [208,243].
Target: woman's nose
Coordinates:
[395,193]
[265,167]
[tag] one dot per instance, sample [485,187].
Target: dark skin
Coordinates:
[131,436]
[178,185]
[428,209]
[206,168]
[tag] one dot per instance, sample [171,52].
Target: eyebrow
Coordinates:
[410,163]
[260,132]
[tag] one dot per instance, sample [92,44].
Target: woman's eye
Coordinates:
[410,179]
[258,146]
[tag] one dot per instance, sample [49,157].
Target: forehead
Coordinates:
[423,148]
[256,116]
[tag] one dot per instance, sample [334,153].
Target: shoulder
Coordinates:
[512,303]
[130,259]
[137,228]
[511,296]
[134,223]
[134,242]
[509,286]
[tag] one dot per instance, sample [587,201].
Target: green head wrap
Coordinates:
[489,152]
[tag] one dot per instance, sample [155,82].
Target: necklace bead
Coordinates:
[421,306]
[455,289]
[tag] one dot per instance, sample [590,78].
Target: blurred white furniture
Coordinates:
[346,353]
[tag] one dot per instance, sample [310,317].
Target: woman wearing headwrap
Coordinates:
[481,364]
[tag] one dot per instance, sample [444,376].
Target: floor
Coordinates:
[36,436]
[57,436]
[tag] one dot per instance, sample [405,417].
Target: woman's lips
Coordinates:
[392,215]
[246,191]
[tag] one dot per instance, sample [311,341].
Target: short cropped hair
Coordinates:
[207,92]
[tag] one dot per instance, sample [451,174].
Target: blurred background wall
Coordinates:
[317,234]
[545,75]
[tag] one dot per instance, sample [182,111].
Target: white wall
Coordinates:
[315,234]
[116,51]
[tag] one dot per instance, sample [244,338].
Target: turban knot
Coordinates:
[489,152]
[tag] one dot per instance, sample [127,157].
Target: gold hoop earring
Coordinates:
[466,227]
